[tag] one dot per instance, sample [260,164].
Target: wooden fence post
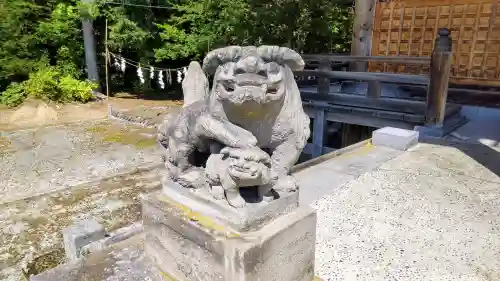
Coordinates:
[362,29]
[324,82]
[439,74]
[319,117]
[318,132]
[374,89]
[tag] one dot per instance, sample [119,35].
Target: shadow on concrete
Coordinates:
[484,130]
[482,154]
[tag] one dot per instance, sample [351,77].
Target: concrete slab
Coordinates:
[318,180]
[481,129]
[449,159]
[313,185]
[395,138]
[432,213]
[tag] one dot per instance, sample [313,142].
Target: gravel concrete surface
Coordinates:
[51,158]
[432,213]
[52,176]
[31,227]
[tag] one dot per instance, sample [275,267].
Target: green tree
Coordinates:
[197,26]
[305,25]
[61,36]
[18,52]
[42,35]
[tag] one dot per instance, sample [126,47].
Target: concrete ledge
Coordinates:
[395,138]
[124,261]
[81,234]
[325,157]
[112,238]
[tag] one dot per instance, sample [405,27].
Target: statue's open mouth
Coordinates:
[252,82]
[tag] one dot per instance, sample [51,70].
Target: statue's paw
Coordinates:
[217,192]
[246,140]
[286,184]
[237,202]
[267,193]
[193,178]
[234,199]
[268,197]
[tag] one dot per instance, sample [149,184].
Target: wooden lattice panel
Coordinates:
[409,27]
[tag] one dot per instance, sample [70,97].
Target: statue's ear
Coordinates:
[195,84]
[219,57]
[282,55]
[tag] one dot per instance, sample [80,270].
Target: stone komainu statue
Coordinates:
[250,126]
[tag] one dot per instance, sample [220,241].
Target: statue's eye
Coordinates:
[273,67]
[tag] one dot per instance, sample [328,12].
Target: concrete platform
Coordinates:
[125,261]
[431,213]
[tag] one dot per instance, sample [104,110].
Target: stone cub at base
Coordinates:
[237,167]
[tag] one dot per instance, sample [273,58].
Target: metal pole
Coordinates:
[89,44]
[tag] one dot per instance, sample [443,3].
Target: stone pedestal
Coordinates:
[190,237]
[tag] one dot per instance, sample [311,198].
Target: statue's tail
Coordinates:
[195,85]
[162,132]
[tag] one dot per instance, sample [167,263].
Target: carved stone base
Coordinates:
[190,241]
[256,213]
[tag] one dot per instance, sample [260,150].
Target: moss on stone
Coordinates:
[127,136]
[45,262]
[4,143]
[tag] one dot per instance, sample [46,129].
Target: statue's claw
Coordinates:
[286,184]
[217,192]
[234,198]
[193,178]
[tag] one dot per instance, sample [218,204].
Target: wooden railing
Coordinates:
[436,81]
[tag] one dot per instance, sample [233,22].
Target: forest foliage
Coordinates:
[42,42]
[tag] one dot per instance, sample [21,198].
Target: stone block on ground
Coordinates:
[79,235]
[395,138]
[186,244]
[124,261]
